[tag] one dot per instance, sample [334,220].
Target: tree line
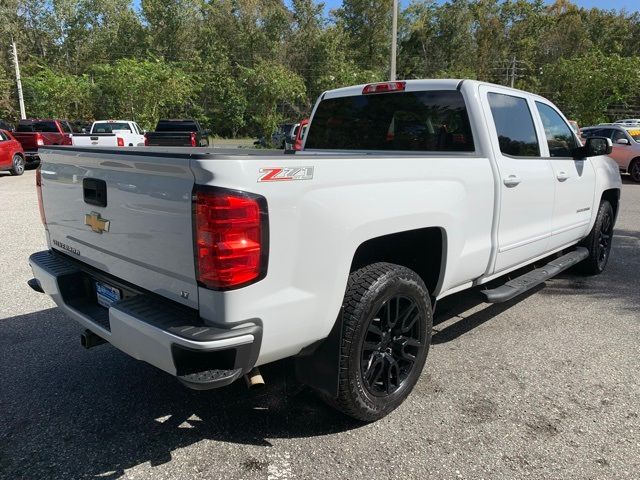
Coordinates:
[243,66]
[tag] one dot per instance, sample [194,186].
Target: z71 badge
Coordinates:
[284,174]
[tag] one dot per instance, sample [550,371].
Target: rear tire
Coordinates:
[599,241]
[634,170]
[387,322]
[18,165]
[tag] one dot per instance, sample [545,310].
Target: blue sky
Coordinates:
[629,5]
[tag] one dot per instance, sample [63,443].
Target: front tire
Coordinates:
[18,165]
[387,322]
[599,241]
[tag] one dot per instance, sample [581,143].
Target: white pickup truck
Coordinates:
[111,133]
[208,263]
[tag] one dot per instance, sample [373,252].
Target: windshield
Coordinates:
[635,134]
[110,127]
[407,121]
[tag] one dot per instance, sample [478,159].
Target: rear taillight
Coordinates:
[231,236]
[39,192]
[146,141]
[39,140]
[384,87]
[194,139]
[120,142]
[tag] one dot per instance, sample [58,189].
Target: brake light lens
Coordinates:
[230,238]
[194,139]
[120,142]
[384,87]
[39,192]
[39,140]
[146,141]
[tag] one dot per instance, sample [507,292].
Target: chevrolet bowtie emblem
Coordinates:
[96,223]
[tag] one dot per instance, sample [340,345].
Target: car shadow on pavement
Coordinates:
[71,413]
[460,313]
[618,285]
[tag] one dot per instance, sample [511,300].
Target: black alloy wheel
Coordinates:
[386,333]
[391,345]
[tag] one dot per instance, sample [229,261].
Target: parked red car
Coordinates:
[302,130]
[37,132]
[11,154]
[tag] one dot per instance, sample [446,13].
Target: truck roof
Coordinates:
[416,86]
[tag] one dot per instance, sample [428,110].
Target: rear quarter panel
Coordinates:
[317,225]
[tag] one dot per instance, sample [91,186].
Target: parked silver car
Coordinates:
[626,146]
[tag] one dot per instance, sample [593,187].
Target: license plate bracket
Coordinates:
[107,295]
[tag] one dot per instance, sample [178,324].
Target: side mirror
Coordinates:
[622,141]
[595,146]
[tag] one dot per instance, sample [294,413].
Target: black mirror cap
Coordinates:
[595,146]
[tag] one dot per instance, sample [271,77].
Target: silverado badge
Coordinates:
[96,223]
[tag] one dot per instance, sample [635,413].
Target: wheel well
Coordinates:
[420,250]
[613,197]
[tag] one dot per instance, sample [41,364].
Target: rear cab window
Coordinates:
[110,127]
[422,121]
[43,127]
[177,126]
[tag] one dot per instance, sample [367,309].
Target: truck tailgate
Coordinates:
[169,139]
[144,233]
[95,140]
[27,140]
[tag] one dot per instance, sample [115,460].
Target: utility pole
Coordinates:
[23,114]
[394,40]
[513,72]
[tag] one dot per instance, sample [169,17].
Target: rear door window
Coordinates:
[560,137]
[514,125]
[428,121]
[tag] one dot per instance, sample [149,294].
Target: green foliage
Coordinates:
[242,66]
[143,91]
[49,93]
[587,85]
[270,86]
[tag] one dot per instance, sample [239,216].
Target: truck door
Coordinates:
[575,180]
[526,189]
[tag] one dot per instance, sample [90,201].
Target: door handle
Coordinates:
[512,181]
[562,176]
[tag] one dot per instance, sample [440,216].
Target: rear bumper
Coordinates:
[146,327]
[31,156]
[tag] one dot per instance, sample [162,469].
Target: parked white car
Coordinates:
[207,263]
[628,122]
[111,133]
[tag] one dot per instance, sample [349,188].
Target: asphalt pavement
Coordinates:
[544,387]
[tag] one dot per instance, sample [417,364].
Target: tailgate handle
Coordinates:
[95,192]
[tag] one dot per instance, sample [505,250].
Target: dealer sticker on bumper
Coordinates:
[107,295]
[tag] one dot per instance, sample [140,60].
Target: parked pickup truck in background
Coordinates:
[208,263]
[36,133]
[178,133]
[111,133]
